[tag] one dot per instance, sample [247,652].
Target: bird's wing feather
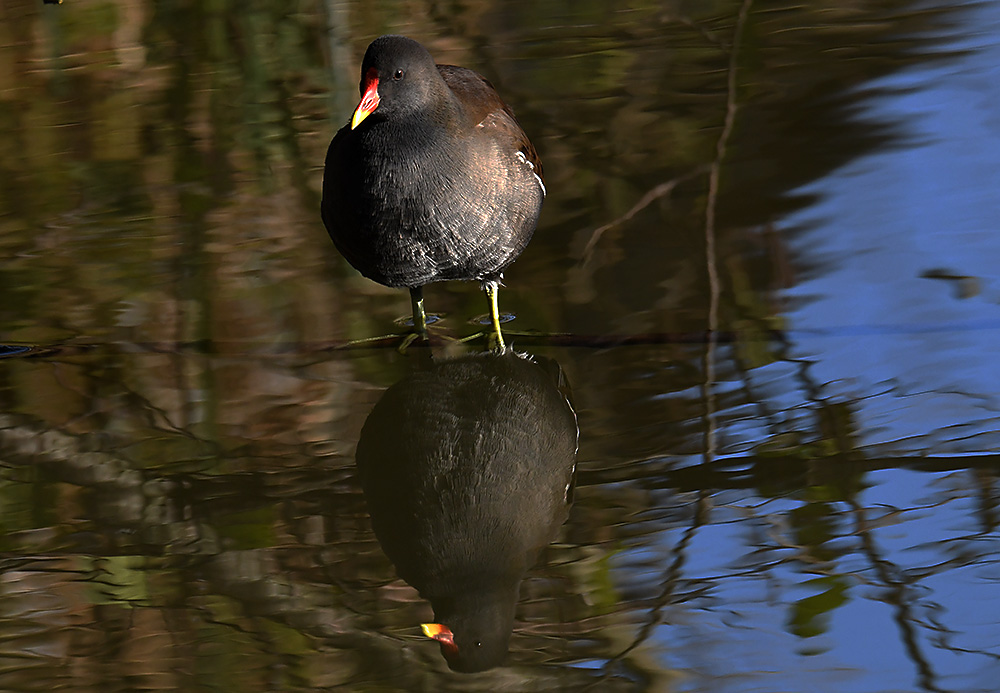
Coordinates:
[489,110]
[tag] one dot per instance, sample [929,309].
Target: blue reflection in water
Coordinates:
[917,575]
[913,278]
[12,350]
[903,322]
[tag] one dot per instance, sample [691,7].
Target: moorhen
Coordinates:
[467,471]
[433,179]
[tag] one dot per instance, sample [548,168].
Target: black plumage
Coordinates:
[467,470]
[433,179]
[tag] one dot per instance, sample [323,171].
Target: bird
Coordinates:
[433,178]
[467,469]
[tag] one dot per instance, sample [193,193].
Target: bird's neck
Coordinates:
[476,597]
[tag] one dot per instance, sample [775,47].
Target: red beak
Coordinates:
[441,633]
[369,100]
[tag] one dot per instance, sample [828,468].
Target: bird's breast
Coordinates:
[423,207]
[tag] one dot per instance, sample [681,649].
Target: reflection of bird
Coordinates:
[467,469]
[433,179]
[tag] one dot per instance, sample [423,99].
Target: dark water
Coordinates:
[767,267]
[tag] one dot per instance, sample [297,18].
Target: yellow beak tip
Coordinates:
[434,630]
[359,115]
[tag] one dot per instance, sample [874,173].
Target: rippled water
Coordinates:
[766,268]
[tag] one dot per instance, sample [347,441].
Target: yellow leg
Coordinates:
[492,288]
[419,316]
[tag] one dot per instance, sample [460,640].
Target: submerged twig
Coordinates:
[711,261]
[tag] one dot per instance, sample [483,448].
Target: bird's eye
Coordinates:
[398,74]
[479,644]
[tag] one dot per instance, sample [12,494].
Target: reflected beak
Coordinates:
[369,100]
[440,633]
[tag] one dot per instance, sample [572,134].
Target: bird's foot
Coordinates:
[410,339]
[495,342]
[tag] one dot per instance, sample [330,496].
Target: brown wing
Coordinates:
[487,109]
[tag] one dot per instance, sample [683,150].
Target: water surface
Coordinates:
[766,267]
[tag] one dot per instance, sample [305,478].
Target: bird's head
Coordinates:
[476,638]
[397,75]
